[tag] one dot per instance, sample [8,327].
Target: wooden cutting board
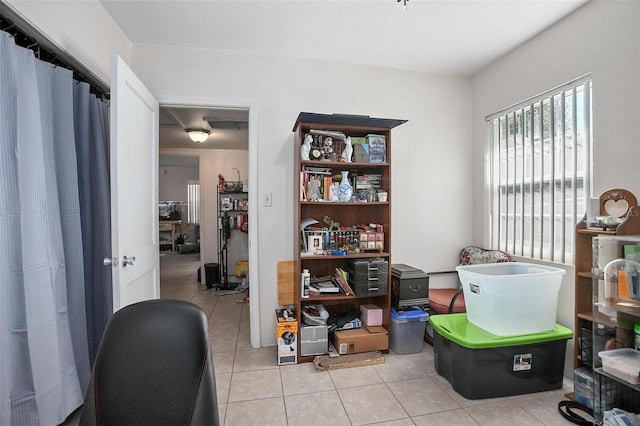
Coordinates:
[286,282]
[326,362]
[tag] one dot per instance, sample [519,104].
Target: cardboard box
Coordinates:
[361,340]
[371,315]
[242,267]
[286,337]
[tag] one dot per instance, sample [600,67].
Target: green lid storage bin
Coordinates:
[479,364]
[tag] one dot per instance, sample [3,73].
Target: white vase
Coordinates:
[346,191]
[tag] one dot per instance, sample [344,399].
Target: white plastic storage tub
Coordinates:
[511,298]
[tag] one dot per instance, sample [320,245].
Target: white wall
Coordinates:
[601,38]
[172,182]
[431,153]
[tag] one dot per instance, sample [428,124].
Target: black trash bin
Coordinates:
[212,274]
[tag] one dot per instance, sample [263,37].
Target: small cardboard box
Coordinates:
[242,267]
[361,340]
[371,315]
[286,336]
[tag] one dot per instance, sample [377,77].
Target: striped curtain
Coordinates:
[44,349]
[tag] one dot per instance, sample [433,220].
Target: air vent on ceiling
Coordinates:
[226,124]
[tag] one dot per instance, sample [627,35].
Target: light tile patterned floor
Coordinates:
[405,390]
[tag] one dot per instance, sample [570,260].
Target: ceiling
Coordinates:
[436,36]
[228,127]
[457,37]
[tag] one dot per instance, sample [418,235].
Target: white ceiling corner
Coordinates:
[457,37]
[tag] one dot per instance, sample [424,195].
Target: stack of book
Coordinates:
[323,285]
[340,278]
[368,181]
[336,283]
[318,177]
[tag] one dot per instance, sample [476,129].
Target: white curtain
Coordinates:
[44,361]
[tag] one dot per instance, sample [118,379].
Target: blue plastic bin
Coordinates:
[406,335]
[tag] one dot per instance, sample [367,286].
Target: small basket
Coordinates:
[233,186]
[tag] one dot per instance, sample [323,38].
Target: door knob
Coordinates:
[107,261]
[128,261]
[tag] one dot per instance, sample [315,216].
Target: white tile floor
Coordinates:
[405,390]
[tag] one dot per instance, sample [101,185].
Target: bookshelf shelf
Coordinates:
[353,217]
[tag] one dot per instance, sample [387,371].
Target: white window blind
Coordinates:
[193,202]
[540,172]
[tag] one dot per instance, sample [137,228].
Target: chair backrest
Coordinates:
[472,255]
[154,366]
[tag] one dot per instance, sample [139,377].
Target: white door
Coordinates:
[134,188]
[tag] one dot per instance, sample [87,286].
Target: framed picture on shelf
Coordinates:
[314,245]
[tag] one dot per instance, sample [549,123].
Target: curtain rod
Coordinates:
[28,37]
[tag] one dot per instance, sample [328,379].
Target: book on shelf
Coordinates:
[317,170]
[340,278]
[632,252]
[377,148]
[303,186]
[324,287]
[331,133]
[368,181]
[326,187]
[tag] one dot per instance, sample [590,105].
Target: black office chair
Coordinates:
[154,367]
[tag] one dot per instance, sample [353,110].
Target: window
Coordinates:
[193,202]
[540,172]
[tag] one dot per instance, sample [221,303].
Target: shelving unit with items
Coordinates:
[343,232]
[583,263]
[233,227]
[615,380]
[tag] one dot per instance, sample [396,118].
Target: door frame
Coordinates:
[251,106]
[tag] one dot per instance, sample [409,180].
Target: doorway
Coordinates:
[230,151]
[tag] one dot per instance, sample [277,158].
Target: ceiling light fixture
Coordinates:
[198,135]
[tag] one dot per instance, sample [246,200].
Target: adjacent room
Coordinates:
[401,212]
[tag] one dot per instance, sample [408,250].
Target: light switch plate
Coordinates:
[267,199]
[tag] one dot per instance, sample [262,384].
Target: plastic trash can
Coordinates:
[212,274]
